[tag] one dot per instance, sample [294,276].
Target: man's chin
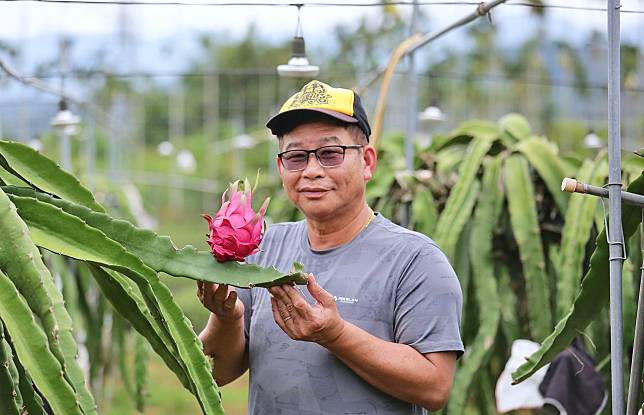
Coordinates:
[316,210]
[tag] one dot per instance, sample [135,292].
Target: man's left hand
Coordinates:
[320,322]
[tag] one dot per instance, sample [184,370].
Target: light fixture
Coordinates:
[65,121]
[592,140]
[186,161]
[298,65]
[432,113]
[35,143]
[243,141]
[165,148]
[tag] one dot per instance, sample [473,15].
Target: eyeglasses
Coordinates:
[327,156]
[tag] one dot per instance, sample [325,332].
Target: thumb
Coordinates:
[320,294]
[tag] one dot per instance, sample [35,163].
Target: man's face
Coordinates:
[322,193]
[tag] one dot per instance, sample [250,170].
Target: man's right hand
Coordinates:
[223,337]
[221,300]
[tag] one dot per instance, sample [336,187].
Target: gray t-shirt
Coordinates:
[394,283]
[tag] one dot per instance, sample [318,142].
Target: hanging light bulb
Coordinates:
[592,140]
[65,121]
[432,113]
[298,65]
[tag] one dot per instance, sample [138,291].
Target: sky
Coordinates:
[27,19]
[36,28]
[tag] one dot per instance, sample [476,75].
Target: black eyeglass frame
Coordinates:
[317,156]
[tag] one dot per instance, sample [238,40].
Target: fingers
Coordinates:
[280,314]
[287,300]
[229,303]
[320,294]
[296,300]
[220,293]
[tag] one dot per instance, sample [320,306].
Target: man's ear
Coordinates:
[279,166]
[370,158]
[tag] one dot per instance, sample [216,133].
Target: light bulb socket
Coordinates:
[298,50]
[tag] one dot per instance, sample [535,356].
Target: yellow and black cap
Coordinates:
[339,103]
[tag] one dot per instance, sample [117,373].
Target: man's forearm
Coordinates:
[396,369]
[226,344]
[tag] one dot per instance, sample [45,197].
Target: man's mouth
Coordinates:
[313,192]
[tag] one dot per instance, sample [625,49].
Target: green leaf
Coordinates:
[31,347]
[483,279]
[477,128]
[424,214]
[122,351]
[9,391]
[590,301]
[21,262]
[515,127]
[463,269]
[65,234]
[542,155]
[44,174]
[450,159]
[380,184]
[31,401]
[141,359]
[509,320]
[578,224]
[525,227]
[123,295]
[159,252]
[458,207]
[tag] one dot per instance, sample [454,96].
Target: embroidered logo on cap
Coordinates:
[313,93]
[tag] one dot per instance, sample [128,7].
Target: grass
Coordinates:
[166,395]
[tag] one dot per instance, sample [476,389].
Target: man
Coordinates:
[377,329]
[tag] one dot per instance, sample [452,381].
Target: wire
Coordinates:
[316,4]
[268,72]
[247,3]
[569,7]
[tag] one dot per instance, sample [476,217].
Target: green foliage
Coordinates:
[522,261]
[31,343]
[10,399]
[525,227]
[462,198]
[22,264]
[576,232]
[93,255]
[590,300]
[484,283]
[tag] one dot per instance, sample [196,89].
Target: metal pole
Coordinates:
[90,151]
[481,10]
[637,360]
[65,150]
[574,186]
[615,210]
[412,105]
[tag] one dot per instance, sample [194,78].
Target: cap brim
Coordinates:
[288,120]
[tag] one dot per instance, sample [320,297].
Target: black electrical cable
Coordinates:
[316,4]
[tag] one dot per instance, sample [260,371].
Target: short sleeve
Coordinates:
[428,303]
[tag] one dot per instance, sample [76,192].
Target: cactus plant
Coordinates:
[528,275]
[51,210]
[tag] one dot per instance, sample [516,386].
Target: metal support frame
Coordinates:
[615,235]
[637,360]
[412,104]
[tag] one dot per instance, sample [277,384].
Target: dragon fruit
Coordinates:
[236,230]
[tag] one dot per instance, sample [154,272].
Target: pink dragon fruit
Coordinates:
[236,230]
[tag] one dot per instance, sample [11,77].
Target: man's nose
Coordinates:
[313,167]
